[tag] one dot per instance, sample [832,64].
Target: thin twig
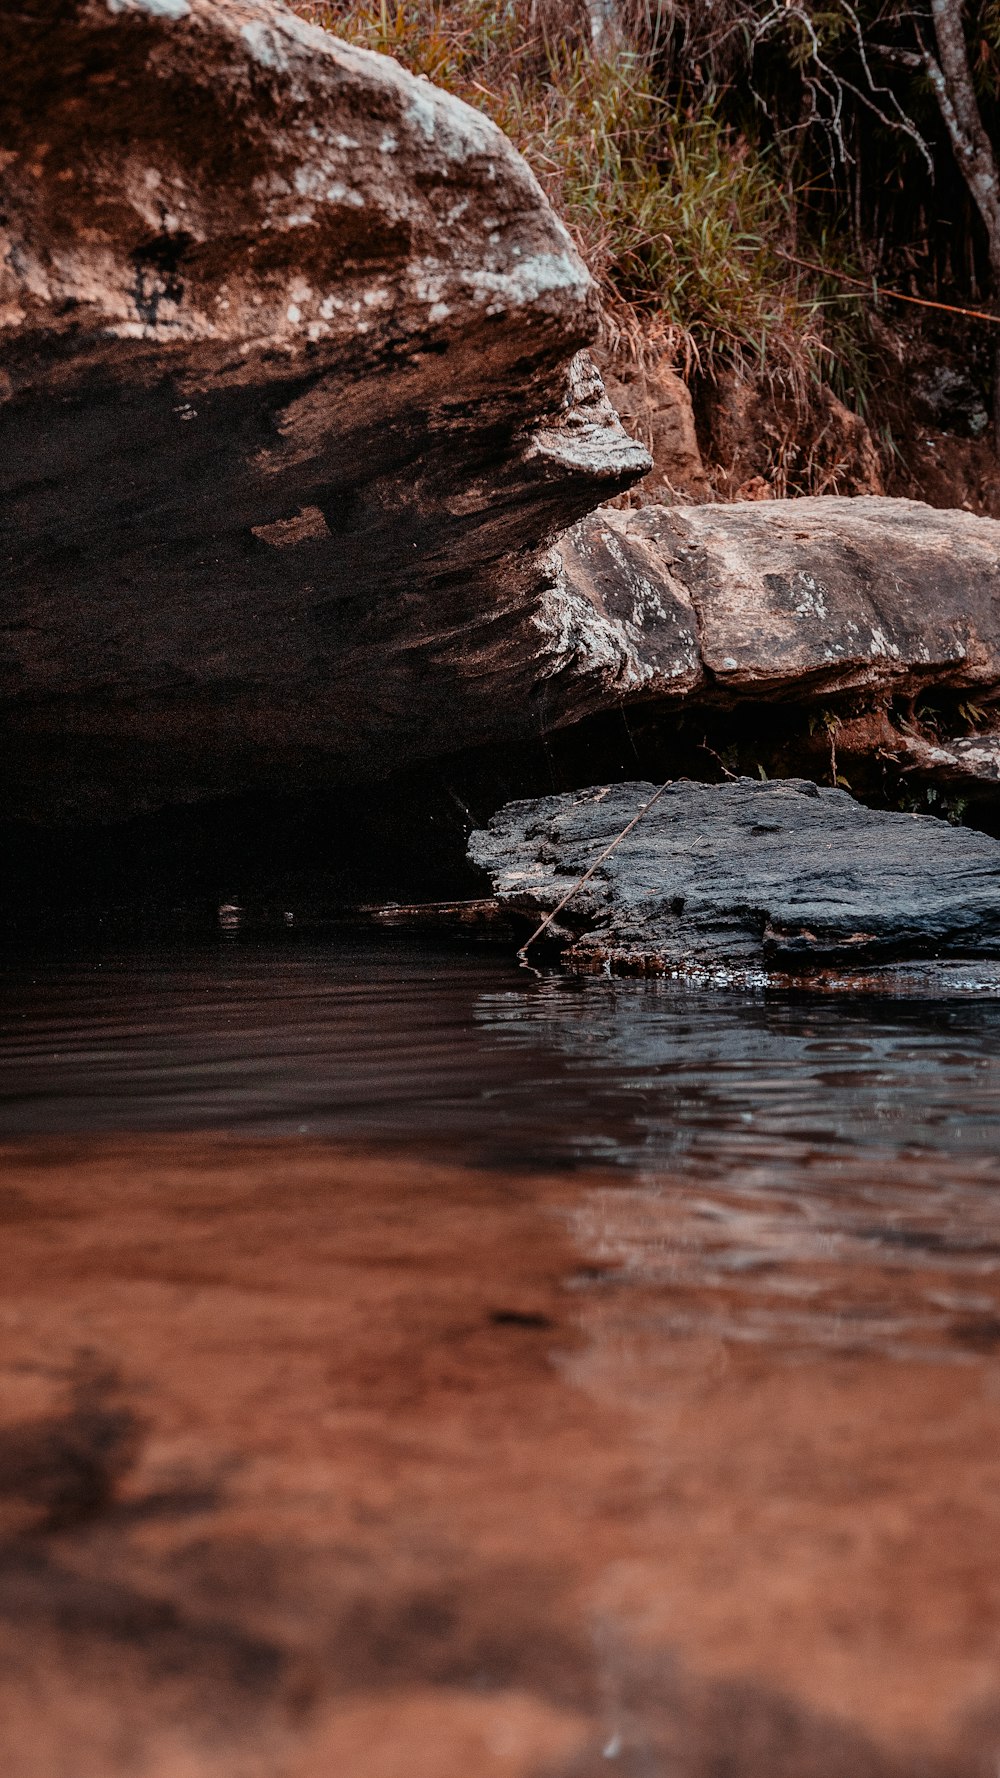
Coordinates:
[523,952]
[703,747]
[924,302]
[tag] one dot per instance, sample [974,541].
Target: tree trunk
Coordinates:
[951,78]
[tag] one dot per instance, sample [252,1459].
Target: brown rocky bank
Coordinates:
[293,397]
[295,406]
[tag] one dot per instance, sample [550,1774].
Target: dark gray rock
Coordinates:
[947,396]
[746,878]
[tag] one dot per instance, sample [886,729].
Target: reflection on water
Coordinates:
[662,1440]
[384,1040]
[818,1170]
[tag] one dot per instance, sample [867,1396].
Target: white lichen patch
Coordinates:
[157,9]
[535,277]
[318,184]
[429,282]
[265,45]
[338,193]
[422,113]
[810,597]
[579,636]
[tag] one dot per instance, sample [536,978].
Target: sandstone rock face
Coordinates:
[294,404]
[654,404]
[967,764]
[793,599]
[746,878]
[293,392]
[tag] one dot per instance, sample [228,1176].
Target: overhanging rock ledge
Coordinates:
[300,449]
[293,399]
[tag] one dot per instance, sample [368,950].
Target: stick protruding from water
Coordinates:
[579,884]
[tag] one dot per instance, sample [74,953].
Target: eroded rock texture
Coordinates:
[745,878]
[294,407]
[293,393]
[793,599]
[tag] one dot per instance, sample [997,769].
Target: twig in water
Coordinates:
[523,952]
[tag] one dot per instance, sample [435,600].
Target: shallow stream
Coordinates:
[567,1374]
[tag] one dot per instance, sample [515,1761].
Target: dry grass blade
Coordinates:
[674,212]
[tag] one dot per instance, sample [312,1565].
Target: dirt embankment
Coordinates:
[922,433]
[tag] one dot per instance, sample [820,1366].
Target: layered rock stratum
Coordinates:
[793,599]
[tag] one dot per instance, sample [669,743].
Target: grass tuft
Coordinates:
[676,216]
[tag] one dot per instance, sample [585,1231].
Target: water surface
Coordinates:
[386,1040]
[413,1365]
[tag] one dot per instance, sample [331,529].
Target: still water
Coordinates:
[388,1041]
[585,1374]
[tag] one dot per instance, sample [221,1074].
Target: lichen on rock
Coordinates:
[295,396]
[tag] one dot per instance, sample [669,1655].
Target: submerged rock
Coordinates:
[745,880]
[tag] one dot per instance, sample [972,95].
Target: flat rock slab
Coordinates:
[792,599]
[746,882]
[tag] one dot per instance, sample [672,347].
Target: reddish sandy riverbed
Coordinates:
[318,1465]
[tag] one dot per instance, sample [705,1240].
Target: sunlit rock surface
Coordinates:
[795,599]
[292,397]
[745,878]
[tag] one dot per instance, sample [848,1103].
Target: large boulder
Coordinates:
[293,395]
[743,881]
[295,412]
